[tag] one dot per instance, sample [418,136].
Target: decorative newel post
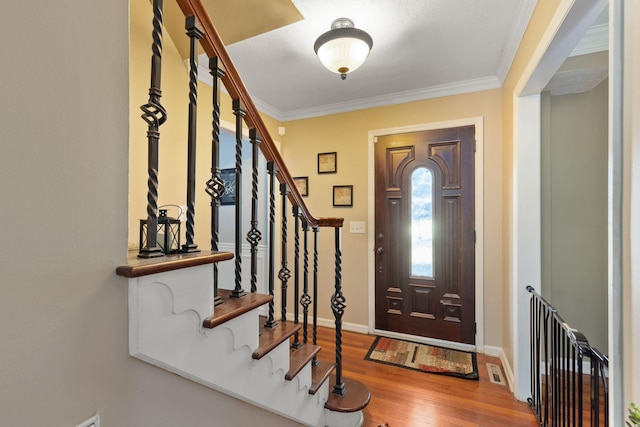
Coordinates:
[215,185]
[154,115]
[337,306]
[195,33]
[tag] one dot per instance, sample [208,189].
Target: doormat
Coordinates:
[424,358]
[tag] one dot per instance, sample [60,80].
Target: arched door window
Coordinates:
[421,205]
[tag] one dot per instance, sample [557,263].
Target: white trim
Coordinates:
[331,323]
[91,422]
[478,122]
[569,23]
[526,261]
[595,40]
[616,232]
[418,94]
[508,372]
[493,351]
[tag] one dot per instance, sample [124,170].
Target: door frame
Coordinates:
[567,26]
[478,123]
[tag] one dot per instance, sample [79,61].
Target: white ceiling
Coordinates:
[421,49]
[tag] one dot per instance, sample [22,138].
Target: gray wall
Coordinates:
[64,120]
[574,209]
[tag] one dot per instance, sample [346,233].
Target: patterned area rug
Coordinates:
[424,358]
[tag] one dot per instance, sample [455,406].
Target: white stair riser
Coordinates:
[166,311]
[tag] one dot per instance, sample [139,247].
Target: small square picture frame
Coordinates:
[343,196]
[328,162]
[302,184]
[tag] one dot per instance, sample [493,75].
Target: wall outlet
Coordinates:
[357,227]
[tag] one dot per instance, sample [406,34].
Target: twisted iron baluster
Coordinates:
[316,362]
[337,306]
[272,169]
[305,299]
[296,274]
[154,114]
[239,111]
[195,34]
[215,185]
[254,236]
[284,274]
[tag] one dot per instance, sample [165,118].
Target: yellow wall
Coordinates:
[172,170]
[347,134]
[540,19]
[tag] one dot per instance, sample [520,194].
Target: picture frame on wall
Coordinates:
[302,184]
[328,162]
[228,176]
[343,195]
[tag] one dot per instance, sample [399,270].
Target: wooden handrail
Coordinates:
[214,47]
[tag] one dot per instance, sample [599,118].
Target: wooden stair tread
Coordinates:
[299,358]
[234,307]
[137,267]
[356,397]
[270,338]
[319,374]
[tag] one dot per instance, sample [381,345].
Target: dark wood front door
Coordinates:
[425,249]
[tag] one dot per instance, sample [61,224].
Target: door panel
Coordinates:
[426,288]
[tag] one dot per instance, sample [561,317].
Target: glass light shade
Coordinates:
[343,49]
[343,53]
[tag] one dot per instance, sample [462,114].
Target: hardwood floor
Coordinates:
[405,398]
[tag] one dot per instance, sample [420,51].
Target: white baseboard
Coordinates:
[507,371]
[493,351]
[331,323]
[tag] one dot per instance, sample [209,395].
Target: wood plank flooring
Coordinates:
[406,398]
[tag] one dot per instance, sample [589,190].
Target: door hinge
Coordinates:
[475,328]
[474,145]
[475,237]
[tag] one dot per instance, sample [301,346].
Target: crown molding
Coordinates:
[457,88]
[596,39]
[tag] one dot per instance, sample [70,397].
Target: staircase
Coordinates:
[230,339]
[174,325]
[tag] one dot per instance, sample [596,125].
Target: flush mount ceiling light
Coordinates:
[343,48]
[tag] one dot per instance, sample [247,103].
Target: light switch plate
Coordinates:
[357,227]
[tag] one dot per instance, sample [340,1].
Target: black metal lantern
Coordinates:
[168,233]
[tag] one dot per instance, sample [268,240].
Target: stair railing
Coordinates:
[200,30]
[562,394]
